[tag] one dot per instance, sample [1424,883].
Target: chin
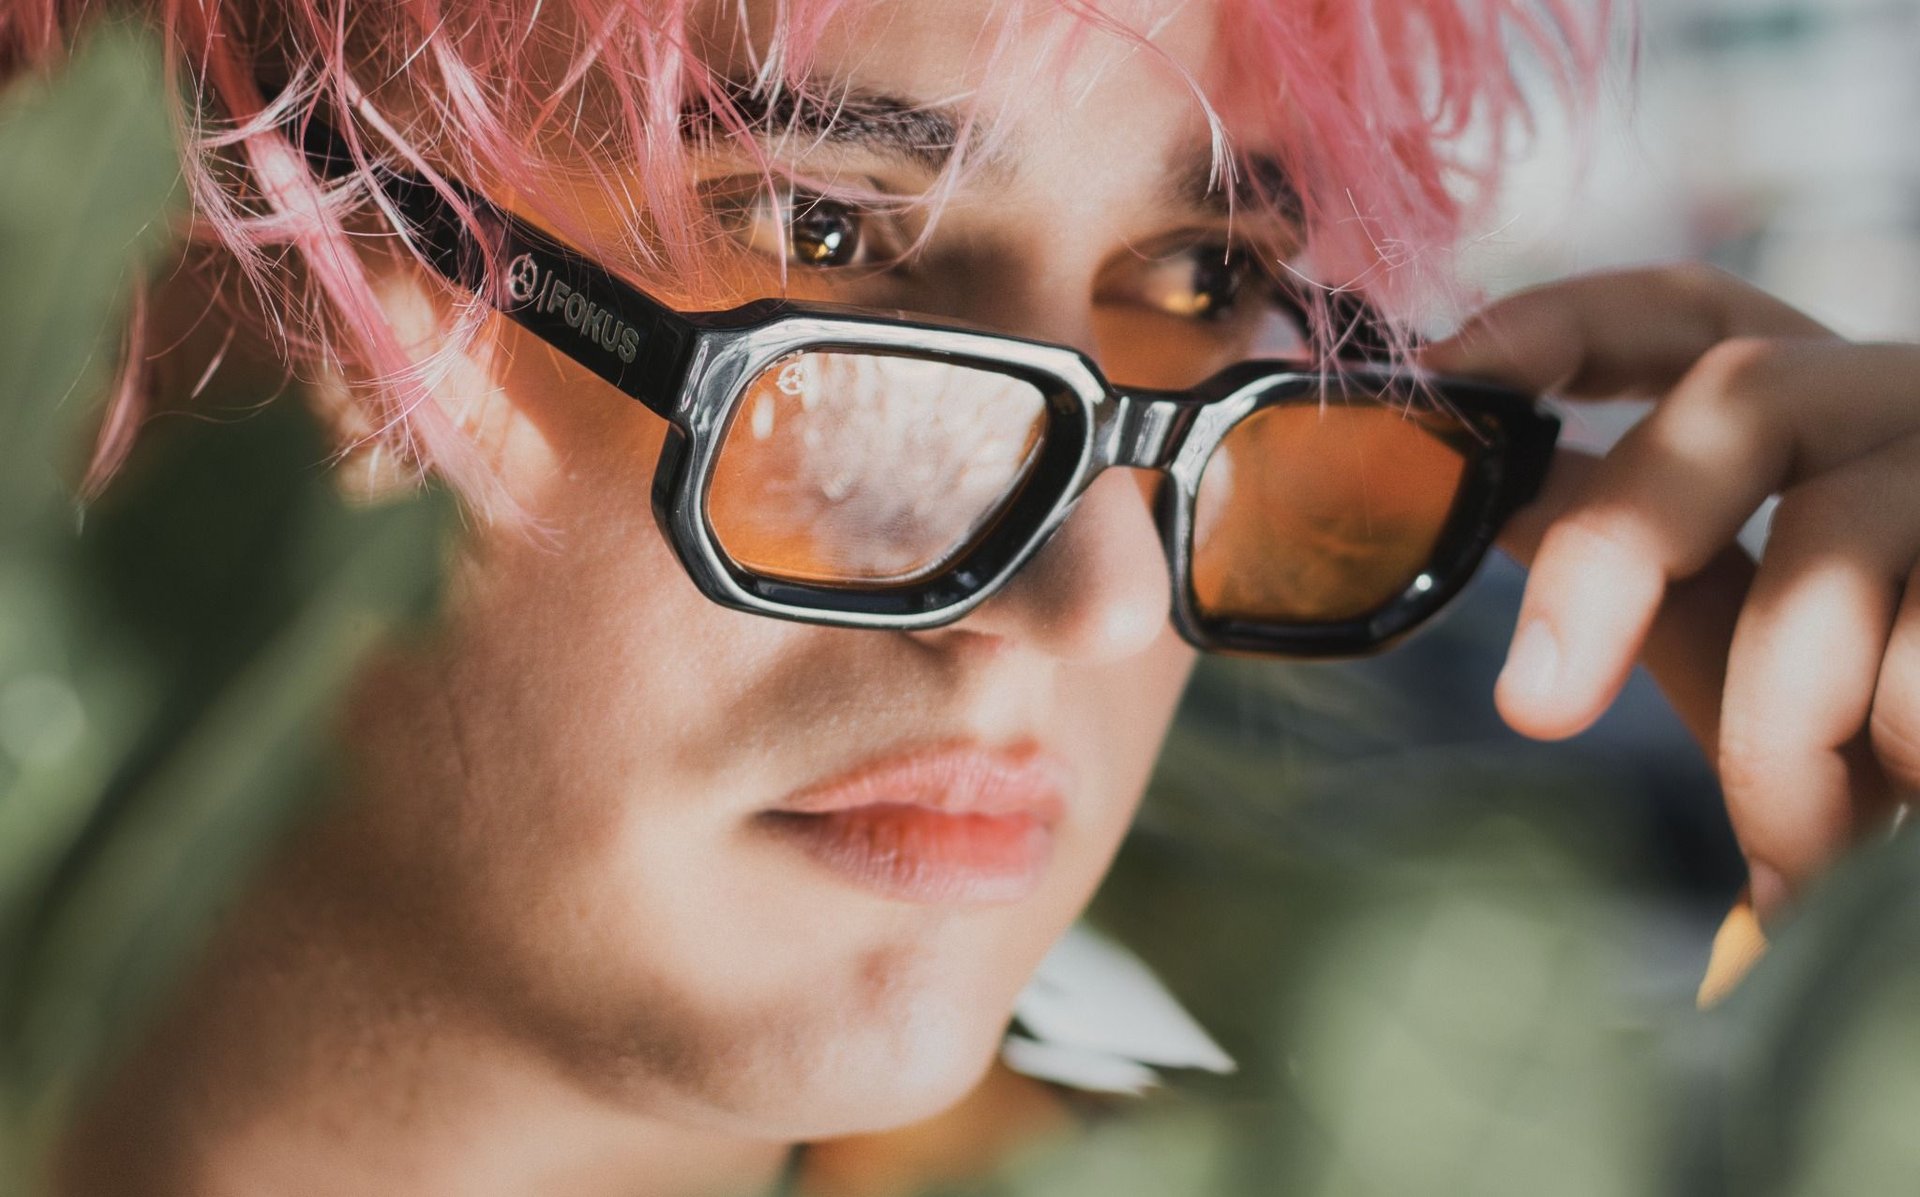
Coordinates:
[877,1077]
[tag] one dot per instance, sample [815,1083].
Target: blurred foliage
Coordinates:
[167,662]
[1443,975]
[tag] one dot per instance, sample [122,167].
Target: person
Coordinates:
[677,845]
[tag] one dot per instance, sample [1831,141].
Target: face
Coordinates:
[773,878]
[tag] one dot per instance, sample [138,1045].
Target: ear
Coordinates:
[459,402]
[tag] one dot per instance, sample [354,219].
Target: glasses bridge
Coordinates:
[1146,428]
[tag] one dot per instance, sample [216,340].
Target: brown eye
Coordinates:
[1207,282]
[1217,283]
[798,227]
[1176,311]
[821,232]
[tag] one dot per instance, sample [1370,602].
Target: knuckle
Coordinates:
[1749,759]
[1729,406]
[1738,367]
[1613,533]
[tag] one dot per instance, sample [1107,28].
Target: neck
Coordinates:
[298,1059]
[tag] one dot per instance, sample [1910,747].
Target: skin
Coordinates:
[544,901]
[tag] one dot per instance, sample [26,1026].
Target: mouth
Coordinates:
[958,824]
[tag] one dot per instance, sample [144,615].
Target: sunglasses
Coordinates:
[838,466]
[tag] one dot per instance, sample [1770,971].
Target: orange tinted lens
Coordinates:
[1319,513]
[866,469]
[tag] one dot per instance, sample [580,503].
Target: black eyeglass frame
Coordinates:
[692,369]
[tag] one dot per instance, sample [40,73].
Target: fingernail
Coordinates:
[1532,670]
[1737,947]
[1769,890]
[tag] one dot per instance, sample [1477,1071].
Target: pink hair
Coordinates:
[1392,117]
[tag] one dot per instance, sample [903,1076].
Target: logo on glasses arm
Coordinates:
[528,283]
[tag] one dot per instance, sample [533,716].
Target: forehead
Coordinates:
[1108,87]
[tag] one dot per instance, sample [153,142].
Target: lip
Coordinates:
[953,824]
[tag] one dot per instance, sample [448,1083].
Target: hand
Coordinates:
[1800,677]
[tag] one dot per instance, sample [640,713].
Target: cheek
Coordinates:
[1120,717]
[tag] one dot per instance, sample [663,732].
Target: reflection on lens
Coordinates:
[1322,512]
[869,469]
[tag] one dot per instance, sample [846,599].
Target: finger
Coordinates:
[1800,778]
[1672,495]
[1605,335]
[1687,643]
[1895,726]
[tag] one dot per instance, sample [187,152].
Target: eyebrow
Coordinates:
[928,135]
[1260,182]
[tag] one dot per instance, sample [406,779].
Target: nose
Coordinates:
[1098,590]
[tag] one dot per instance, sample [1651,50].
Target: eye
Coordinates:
[797,226]
[1206,282]
[1242,293]
[1177,310]
[821,232]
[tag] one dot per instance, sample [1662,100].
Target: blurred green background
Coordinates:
[1448,961]
[170,655]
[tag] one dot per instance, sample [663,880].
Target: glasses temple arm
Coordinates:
[560,296]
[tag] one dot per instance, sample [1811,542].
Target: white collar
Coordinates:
[1095,1017]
